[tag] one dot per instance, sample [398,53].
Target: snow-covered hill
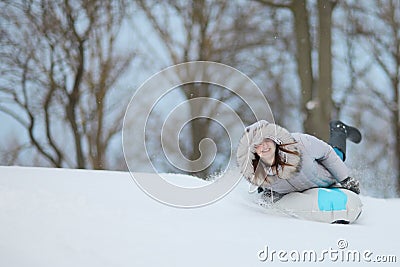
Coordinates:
[60,217]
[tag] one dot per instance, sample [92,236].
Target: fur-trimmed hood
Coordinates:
[253,136]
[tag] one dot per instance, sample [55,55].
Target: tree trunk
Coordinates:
[316,101]
[199,127]
[304,63]
[396,120]
[71,110]
[324,68]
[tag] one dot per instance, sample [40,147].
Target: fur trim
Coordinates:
[253,136]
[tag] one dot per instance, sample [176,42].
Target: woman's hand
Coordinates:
[351,184]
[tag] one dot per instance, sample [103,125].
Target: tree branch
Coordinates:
[272,3]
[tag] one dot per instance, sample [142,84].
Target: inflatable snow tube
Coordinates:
[329,205]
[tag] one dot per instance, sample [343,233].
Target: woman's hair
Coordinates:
[279,161]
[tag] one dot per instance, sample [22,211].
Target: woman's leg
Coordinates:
[339,132]
[339,153]
[337,138]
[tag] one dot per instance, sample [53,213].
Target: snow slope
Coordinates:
[60,217]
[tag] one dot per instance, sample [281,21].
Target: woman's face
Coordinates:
[266,150]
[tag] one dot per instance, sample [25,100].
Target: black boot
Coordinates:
[352,133]
[339,132]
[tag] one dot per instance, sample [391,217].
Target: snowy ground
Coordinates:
[59,217]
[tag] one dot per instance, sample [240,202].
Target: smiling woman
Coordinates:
[270,153]
[266,151]
[279,162]
[300,173]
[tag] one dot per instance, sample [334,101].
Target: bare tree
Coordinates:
[60,64]
[316,91]
[374,29]
[220,31]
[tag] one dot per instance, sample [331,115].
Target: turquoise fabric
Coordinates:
[330,199]
[339,153]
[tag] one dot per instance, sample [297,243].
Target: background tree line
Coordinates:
[69,67]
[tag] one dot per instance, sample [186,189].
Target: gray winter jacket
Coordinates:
[317,165]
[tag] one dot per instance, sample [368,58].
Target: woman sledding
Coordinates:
[277,162]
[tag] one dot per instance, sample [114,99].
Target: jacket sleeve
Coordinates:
[326,156]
